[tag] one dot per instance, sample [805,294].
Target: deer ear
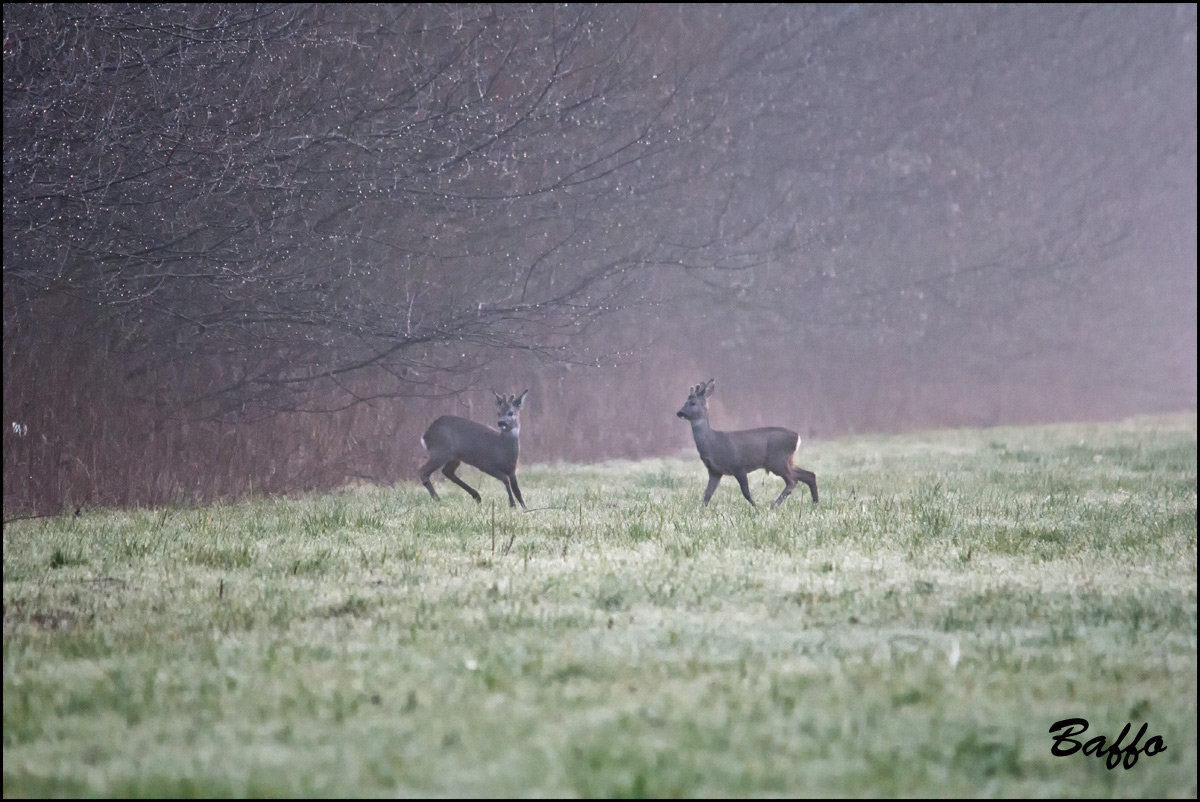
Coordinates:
[499,398]
[708,388]
[518,402]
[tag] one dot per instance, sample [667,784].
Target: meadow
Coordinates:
[918,632]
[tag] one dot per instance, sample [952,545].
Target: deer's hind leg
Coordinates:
[431,465]
[449,473]
[809,478]
[786,472]
[789,484]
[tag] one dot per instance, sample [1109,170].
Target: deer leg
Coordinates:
[507,482]
[809,478]
[426,470]
[517,490]
[784,472]
[449,472]
[788,486]
[744,483]
[714,479]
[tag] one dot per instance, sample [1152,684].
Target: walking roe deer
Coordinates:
[451,440]
[739,453]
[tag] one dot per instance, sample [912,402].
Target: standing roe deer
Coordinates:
[451,440]
[739,453]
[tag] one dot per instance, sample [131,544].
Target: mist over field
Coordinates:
[259,248]
[953,596]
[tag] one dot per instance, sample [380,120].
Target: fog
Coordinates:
[260,248]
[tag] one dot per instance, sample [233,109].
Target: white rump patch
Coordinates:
[423,446]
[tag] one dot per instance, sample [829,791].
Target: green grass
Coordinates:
[954,594]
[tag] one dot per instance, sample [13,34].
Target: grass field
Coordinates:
[954,594]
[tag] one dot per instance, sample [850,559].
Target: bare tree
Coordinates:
[220,218]
[296,196]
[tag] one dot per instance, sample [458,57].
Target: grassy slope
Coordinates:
[954,594]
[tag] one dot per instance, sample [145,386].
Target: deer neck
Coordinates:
[509,440]
[702,433]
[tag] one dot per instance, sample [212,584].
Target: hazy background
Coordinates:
[258,249]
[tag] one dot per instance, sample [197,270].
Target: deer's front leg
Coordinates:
[744,483]
[714,479]
[508,486]
[517,490]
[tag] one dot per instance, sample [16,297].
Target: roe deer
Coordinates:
[739,453]
[451,440]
